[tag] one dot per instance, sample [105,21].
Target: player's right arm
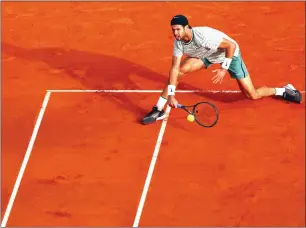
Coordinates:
[175,68]
[173,80]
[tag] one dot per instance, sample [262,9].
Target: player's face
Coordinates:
[179,32]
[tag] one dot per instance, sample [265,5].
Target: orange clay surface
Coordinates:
[91,156]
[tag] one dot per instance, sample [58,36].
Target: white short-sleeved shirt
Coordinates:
[204,44]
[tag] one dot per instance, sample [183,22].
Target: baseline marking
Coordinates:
[151,168]
[26,159]
[138,91]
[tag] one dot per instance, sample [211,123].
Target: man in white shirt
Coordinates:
[204,46]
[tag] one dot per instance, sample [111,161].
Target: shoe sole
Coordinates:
[289,86]
[161,118]
[152,120]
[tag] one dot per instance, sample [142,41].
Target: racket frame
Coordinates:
[193,107]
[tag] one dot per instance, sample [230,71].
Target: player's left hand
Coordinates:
[219,75]
[172,102]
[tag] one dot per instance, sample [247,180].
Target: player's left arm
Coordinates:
[230,48]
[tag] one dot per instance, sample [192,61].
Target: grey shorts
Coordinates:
[237,69]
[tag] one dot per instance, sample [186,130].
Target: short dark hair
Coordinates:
[179,20]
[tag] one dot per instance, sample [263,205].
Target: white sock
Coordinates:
[161,103]
[279,91]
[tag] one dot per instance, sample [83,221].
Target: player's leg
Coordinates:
[287,92]
[188,65]
[247,87]
[242,89]
[239,71]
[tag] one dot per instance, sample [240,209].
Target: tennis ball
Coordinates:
[190,118]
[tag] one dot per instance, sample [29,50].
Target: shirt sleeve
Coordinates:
[177,49]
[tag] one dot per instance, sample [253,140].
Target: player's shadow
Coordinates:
[100,71]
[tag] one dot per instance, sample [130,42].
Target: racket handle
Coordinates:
[179,105]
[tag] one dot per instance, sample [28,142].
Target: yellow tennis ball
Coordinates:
[190,118]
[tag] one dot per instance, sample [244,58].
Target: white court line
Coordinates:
[155,154]
[138,91]
[151,168]
[25,160]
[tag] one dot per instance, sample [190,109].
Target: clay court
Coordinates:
[77,77]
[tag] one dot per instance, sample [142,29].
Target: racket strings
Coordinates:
[205,114]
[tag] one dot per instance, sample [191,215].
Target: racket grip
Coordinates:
[179,105]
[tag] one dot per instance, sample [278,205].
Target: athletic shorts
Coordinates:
[237,69]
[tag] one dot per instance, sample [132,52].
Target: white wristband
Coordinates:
[171,89]
[226,64]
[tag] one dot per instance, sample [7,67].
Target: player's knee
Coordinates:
[253,96]
[184,69]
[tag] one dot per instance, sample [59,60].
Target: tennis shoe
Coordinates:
[153,116]
[292,94]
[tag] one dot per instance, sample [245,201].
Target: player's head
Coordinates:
[179,24]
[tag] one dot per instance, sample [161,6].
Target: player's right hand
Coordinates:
[172,102]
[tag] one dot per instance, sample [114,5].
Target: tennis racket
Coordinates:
[205,114]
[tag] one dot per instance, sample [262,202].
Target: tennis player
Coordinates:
[204,46]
